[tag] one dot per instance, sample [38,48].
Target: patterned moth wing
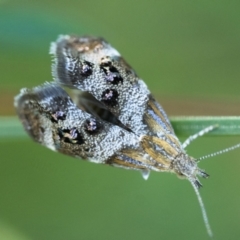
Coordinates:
[51,118]
[112,91]
[92,65]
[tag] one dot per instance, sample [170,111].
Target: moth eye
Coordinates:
[92,126]
[58,115]
[86,68]
[109,97]
[70,136]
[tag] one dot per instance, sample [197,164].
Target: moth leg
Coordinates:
[199,134]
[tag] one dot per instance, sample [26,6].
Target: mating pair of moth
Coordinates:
[113,119]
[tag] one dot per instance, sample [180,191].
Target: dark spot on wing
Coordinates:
[86,68]
[92,126]
[112,75]
[79,69]
[58,115]
[70,136]
[109,97]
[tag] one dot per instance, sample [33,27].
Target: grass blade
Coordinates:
[11,127]
[186,126]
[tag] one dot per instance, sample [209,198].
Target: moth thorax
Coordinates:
[185,166]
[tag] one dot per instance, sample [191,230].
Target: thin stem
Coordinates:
[11,127]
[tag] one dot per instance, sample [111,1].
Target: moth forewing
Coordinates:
[94,66]
[52,119]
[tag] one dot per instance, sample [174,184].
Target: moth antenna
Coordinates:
[199,134]
[204,213]
[218,153]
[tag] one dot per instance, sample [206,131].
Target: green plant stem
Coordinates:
[186,126]
[11,127]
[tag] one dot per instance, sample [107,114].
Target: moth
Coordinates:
[113,118]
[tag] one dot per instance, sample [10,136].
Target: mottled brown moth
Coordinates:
[113,119]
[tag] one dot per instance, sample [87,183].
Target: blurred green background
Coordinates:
[188,52]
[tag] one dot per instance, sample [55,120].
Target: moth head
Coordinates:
[186,166]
